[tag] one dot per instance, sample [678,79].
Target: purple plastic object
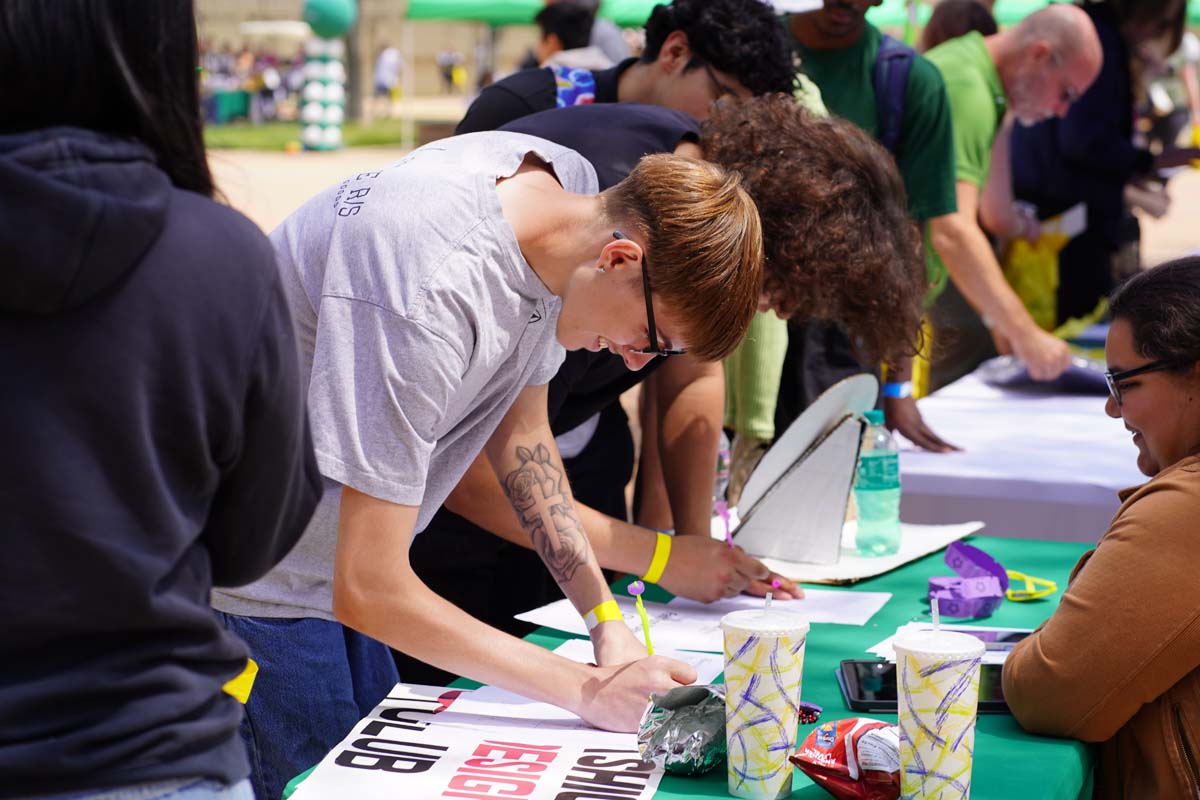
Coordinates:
[636,588]
[966,597]
[977,589]
[971,562]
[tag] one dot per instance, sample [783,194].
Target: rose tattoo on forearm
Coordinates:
[538,492]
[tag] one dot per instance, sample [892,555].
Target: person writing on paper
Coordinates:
[805,174]
[434,299]
[1118,662]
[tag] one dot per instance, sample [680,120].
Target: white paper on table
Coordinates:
[688,625]
[916,541]
[491,701]
[818,605]
[707,665]
[436,751]
[884,649]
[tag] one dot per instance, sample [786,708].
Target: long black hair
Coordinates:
[123,67]
[1162,306]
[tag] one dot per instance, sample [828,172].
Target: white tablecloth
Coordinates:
[1034,465]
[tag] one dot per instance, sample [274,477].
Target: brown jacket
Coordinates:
[1119,661]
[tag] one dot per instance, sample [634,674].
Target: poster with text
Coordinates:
[415,745]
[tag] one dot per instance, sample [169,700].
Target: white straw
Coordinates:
[933,606]
[768,603]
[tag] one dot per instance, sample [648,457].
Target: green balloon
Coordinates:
[330,19]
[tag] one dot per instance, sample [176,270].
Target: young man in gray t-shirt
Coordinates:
[433,299]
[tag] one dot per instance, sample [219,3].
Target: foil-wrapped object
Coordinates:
[683,731]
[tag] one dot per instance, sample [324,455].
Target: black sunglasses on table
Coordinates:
[654,349]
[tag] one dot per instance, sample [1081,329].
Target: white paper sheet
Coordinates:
[916,541]
[491,701]
[688,625]
[417,744]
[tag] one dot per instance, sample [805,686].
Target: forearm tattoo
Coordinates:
[539,494]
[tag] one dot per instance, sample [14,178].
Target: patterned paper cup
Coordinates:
[764,660]
[938,696]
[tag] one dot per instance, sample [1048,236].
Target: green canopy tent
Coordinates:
[489,12]
[629,13]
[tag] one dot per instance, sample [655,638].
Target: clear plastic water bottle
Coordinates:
[877,490]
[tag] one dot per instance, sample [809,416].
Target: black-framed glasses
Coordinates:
[653,349]
[1114,379]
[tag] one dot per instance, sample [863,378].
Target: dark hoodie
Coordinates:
[153,442]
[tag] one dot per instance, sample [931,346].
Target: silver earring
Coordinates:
[600,268]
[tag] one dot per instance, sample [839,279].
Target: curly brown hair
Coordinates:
[838,240]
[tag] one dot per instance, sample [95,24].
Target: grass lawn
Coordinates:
[276,135]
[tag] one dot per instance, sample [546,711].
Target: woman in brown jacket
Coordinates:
[1119,661]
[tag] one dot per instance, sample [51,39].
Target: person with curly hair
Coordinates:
[846,57]
[837,244]
[696,51]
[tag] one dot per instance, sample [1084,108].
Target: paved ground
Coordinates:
[269,186]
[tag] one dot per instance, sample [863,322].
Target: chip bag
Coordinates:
[853,759]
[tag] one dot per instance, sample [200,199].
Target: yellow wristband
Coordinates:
[605,612]
[662,551]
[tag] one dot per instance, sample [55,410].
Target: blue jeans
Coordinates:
[187,789]
[315,680]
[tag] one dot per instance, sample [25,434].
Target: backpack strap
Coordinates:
[573,86]
[890,77]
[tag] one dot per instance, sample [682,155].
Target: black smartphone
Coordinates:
[870,685]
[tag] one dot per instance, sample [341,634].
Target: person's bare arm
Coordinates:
[524,454]
[998,211]
[688,410]
[376,592]
[689,405]
[968,256]
[902,415]
[699,568]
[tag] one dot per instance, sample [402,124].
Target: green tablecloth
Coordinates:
[1009,763]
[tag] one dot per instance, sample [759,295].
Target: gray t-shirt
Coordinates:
[419,323]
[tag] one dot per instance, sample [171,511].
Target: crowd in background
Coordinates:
[271,82]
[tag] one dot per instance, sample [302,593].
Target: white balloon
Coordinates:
[335,71]
[311,136]
[335,48]
[332,136]
[312,113]
[335,93]
[333,115]
[314,70]
[314,47]
[314,92]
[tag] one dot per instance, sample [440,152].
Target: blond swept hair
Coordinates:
[704,248]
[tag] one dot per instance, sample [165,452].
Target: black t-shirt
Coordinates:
[528,92]
[613,137]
